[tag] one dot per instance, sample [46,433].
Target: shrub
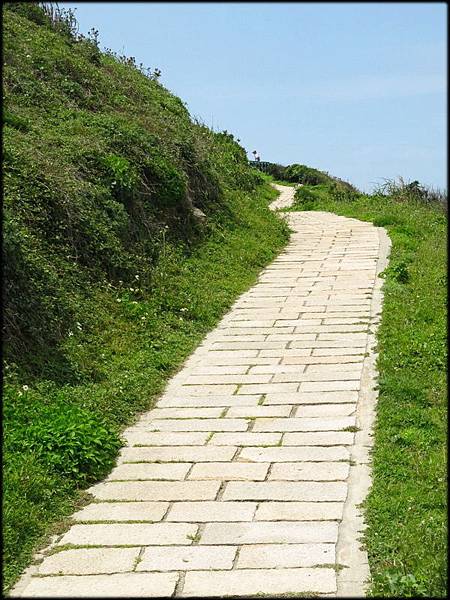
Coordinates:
[343,192]
[304,198]
[307,175]
[398,271]
[70,441]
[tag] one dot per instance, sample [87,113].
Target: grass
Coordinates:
[406,509]
[131,348]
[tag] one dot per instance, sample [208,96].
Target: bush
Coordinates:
[304,198]
[307,175]
[276,171]
[70,441]
[343,192]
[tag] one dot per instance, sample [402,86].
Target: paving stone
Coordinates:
[134,534]
[259,411]
[319,438]
[178,454]
[232,353]
[156,490]
[204,512]
[325,410]
[336,351]
[324,471]
[282,368]
[355,367]
[198,401]
[166,438]
[312,397]
[246,323]
[321,360]
[267,388]
[298,351]
[248,345]
[270,532]
[142,471]
[234,330]
[271,556]
[212,359]
[204,390]
[329,386]
[201,425]
[299,511]
[229,335]
[213,379]
[245,439]
[122,511]
[310,376]
[303,424]
[131,585]
[329,491]
[351,337]
[190,558]
[89,561]
[179,413]
[294,453]
[229,471]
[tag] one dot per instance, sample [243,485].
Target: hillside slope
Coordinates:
[112,276]
[99,159]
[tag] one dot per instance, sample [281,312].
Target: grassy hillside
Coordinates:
[406,509]
[111,275]
[304,175]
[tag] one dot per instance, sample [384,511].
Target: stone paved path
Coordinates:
[246,476]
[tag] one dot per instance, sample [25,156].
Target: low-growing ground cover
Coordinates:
[406,508]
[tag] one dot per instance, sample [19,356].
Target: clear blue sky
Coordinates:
[355,89]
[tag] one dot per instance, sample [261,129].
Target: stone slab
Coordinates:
[276,556]
[205,512]
[258,582]
[122,511]
[131,585]
[230,471]
[273,532]
[299,511]
[130,534]
[90,561]
[187,558]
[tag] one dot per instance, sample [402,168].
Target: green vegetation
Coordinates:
[301,174]
[406,508]
[111,276]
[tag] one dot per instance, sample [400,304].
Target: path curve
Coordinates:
[245,477]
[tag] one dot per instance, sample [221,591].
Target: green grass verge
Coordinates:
[127,351]
[406,508]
